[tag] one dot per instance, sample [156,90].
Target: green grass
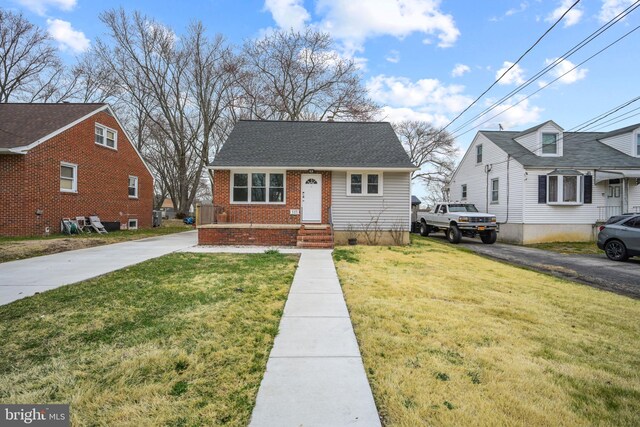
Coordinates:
[119,235]
[179,340]
[452,338]
[577,248]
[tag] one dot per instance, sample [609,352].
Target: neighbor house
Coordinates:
[310,184]
[66,160]
[545,184]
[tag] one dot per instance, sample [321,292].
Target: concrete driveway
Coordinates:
[20,279]
[593,270]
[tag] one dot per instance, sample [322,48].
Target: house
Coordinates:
[545,184]
[284,182]
[66,160]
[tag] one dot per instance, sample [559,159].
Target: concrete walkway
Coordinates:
[315,375]
[20,279]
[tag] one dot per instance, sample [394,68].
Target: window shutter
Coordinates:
[588,189]
[542,189]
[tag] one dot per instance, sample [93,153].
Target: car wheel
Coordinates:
[616,250]
[489,237]
[453,235]
[424,229]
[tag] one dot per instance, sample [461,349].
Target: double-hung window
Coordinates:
[258,187]
[364,184]
[495,190]
[638,145]
[464,191]
[106,137]
[133,187]
[479,153]
[68,177]
[550,143]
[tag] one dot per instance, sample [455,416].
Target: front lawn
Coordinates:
[452,338]
[181,340]
[572,248]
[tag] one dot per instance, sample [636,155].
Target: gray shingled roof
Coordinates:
[312,144]
[22,124]
[581,150]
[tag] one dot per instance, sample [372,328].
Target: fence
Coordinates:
[207,213]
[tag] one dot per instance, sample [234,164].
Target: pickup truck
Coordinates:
[457,220]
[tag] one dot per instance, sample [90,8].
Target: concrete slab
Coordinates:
[316,305]
[315,286]
[318,392]
[315,337]
[19,279]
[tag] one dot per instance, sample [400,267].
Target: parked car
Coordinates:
[457,220]
[619,238]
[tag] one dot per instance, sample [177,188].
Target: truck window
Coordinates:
[443,209]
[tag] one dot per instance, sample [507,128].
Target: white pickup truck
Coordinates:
[457,220]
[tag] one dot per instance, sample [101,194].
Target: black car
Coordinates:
[619,238]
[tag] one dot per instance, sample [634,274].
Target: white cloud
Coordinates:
[611,8]
[572,18]
[459,70]
[288,13]
[563,67]
[393,56]
[41,6]
[67,38]
[512,116]
[521,8]
[514,76]
[393,114]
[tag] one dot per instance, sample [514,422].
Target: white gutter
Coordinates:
[318,168]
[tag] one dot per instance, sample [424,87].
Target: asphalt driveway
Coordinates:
[593,270]
[23,278]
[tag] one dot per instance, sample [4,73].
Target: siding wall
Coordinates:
[356,210]
[622,143]
[533,140]
[479,182]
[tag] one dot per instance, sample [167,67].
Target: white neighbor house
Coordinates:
[545,185]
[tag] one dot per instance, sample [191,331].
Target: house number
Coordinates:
[294,211]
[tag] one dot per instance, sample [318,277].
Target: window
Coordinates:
[132,224]
[633,222]
[364,184]
[638,145]
[68,177]
[564,189]
[258,187]
[133,187]
[495,190]
[479,153]
[106,137]
[464,191]
[549,143]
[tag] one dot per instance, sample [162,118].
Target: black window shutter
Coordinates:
[542,189]
[588,188]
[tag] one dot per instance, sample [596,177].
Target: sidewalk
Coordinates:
[315,375]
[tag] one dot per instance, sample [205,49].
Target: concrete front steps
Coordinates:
[315,237]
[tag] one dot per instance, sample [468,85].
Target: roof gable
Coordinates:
[254,143]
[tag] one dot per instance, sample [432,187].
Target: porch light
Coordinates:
[311,171]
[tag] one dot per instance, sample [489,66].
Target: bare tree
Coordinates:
[299,76]
[436,192]
[432,150]
[30,68]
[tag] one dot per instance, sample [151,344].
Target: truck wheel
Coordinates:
[453,234]
[424,229]
[489,237]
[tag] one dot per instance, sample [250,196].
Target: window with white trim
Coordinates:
[106,137]
[638,144]
[495,190]
[564,189]
[464,191]
[479,153]
[133,187]
[549,143]
[364,183]
[258,187]
[132,224]
[68,177]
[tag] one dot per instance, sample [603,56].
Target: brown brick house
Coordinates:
[68,160]
[309,183]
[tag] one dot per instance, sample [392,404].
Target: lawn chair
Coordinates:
[82,224]
[95,224]
[69,226]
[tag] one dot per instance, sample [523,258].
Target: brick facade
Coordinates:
[248,236]
[268,213]
[31,182]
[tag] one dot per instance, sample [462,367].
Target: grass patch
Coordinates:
[571,248]
[167,342]
[451,338]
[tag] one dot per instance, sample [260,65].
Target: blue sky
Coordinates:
[408,49]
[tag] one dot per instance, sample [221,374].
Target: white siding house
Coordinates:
[544,184]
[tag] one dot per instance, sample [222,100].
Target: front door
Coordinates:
[614,198]
[311,197]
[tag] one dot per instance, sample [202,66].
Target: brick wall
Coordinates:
[31,182]
[248,236]
[268,213]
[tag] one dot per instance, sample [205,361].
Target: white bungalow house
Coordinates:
[545,184]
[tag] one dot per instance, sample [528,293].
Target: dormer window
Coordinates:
[638,144]
[549,144]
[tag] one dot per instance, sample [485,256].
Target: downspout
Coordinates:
[507,218]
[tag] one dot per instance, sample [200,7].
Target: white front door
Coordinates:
[614,198]
[311,197]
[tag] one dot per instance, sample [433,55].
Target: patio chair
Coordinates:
[83,224]
[95,224]
[68,226]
